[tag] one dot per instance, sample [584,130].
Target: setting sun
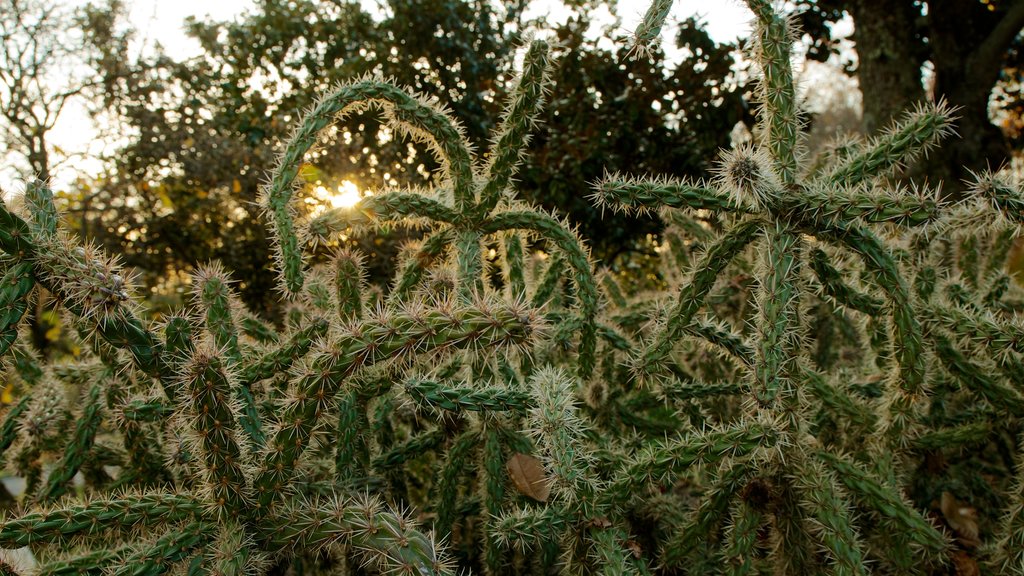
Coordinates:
[346,195]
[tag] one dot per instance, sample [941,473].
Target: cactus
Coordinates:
[831,379]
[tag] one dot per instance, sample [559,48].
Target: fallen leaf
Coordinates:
[529,477]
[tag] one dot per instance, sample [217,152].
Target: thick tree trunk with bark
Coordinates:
[966,44]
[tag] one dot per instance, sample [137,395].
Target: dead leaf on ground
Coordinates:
[962,518]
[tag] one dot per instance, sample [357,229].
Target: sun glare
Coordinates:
[346,195]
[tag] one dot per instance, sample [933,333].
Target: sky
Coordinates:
[161,21]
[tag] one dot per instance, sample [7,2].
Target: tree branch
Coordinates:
[984,64]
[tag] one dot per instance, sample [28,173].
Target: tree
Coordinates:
[206,131]
[965,44]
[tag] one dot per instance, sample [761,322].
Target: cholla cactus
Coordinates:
[799,402]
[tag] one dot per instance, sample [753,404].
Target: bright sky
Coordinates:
[161,21]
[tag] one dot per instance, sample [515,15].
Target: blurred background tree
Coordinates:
[963,49]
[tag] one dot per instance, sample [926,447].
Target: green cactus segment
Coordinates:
[641,196]
[659,462]
[918,131]
[456,462]
[135,511]
[515,267]
[349,284]
[833,285]
[822,500]
[777,323]
[570,246]
[214,295]
[156,558]
[382,207]
[213,413]
[351,453]
[956,437]
[713,509]
[908,342]
[412,270]
[558,432]
[1008,552]
[985,331]
[691,297]
[411,449]
[384,537]
[282,358]
[468,262]
[15,286]
[778,96]
[394,335]
[678,391]
[977,378]
[549,283]
[527,528]
[1004,197]
[404,112]
[837,400]
[15,236]
[39,202]
[741,540]
[435,395]
[898,207]
[89,564]
[885,501]
[646,34]
[9,428]
[609,551]
[514,133]
[493,493]
[231,554]
[722,337]
[78,448]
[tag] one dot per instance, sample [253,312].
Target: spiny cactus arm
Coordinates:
[899,206]
[885,501]
[985,330]
[257,330]
[823,501]
[469,263]
[78,448]
[777,323]
[351,454]
[699,530]
[646,34]
[515,267]
[376,210]
[492,491]
[740,544]
[410,449]
[917,132]
[145,411]
[977,378]
[213,294]
[659,462]
[387,539]
[15,236]
[643,195]
[92,563]
[232,553]
[1001,195]
[610,555]
[549,281]
[524,529]
[675,390]
[955,437]
[772,43]
[157,557]
[1007,555]
[691,297]
[282,357]
[571,247]
[130,510]
[837,400]
[520,116]
[15,286]
[907,341]
[721,337]
[349,284]
[412,271]
[435,395]
[833,286]
[209,406]
[392,335]
[404,112]
[9,428]
[558,431]
[457,462]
